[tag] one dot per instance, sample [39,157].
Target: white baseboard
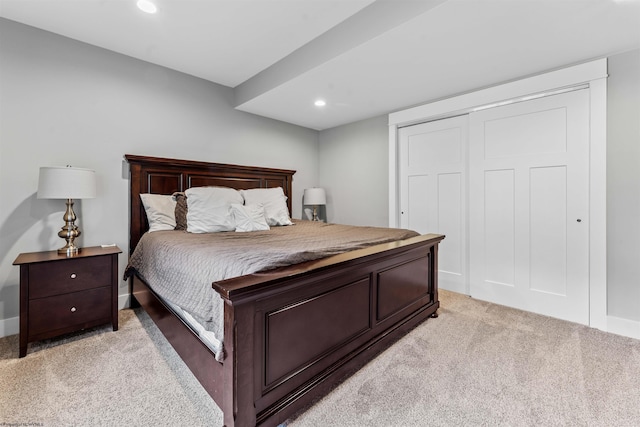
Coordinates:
[10,326]
[624,327]
[453,287]
[124,301]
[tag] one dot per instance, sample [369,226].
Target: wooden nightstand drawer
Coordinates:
[69,275]
[69,310]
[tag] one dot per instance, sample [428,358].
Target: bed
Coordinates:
[278,355]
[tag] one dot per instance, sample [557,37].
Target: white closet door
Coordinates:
[433,191]
[528,205]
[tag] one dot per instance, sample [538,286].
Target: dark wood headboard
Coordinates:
[165,176]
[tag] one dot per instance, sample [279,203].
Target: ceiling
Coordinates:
[363,57]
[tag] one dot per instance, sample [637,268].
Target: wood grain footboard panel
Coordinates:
[307,327]
[404,287]
[301,334]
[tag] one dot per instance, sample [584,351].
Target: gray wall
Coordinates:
[354,170]
[353,162]
[64,102]
[623,186]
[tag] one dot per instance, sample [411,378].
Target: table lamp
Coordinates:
[315,197]
[67,183]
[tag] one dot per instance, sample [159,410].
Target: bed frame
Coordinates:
[290,334]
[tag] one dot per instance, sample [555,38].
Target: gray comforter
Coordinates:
[181,266]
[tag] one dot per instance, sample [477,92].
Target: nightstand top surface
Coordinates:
[31,257]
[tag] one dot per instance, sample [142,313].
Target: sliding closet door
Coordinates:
[432,169]
[529,207]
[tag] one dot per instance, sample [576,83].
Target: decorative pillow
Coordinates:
[181,210]
[160,211]
[249,217]
[274,202]
[209,209]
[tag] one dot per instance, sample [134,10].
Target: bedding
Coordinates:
[167,260]
[209,209]
[160,210]
[274,202]
[180,211]
[249,217]
[207,337]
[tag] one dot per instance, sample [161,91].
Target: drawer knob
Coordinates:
[73,275]
[73,309]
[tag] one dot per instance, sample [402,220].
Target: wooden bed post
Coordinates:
[238,407]
[434,276]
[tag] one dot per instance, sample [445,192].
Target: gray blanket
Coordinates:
[181,266]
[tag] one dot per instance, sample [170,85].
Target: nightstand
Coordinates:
[60,294]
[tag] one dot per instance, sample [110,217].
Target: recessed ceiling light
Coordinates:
[320,103]
[147,6]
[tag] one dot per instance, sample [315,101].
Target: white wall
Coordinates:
[623,186]
[354,170]
[64,102]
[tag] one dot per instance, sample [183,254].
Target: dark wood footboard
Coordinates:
[293,333]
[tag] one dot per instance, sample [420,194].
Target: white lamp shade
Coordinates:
[315,196]
[66,183]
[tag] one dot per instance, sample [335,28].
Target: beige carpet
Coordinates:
[481,364]
[102,378]
[478,364]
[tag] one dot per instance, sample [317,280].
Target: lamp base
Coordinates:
[69,231]
[69,250]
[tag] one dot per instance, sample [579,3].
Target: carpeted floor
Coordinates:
[478,364]
[102,378]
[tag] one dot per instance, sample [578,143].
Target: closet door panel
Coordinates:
[548,230]
[535,132]
[450,217]
[499,227]
[432,171]
[417,215]
[528,205]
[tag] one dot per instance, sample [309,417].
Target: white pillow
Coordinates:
[209,209]
[249,217]
[160,211]
[274,202]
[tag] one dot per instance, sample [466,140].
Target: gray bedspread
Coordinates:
[181,266]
